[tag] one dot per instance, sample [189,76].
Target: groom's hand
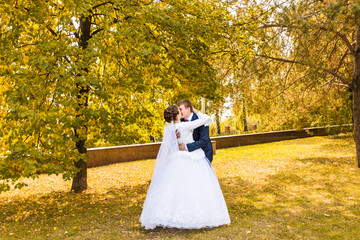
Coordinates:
[182,147]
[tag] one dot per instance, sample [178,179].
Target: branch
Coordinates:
[114,22]
[347,42]
[257,17]
[277,25]
[341,78]
[339,65]
[280,59]
[324,48]
[26,44]
[339,34]
[102,4]
[55,34]
[334,49]
[97,31]
[286,88]
[52,31]
[342,37]
[67,59]
[221,51]
[341,60]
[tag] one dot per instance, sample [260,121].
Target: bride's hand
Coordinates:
[178,135]
[182,147]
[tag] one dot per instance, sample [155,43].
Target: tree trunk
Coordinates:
[356,117]
[356,96]
[244,117]
[79,182]
[217,119]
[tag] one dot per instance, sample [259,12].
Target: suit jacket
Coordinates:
[202,140]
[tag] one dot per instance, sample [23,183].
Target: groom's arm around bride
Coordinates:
[201,134]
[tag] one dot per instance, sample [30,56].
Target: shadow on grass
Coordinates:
[113,214]
[324,161]
[348,135]
[341,142]
[290,204]
[295,203]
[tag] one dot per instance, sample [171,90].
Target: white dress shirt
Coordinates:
[190,117]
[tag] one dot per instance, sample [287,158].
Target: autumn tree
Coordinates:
[77,72]
[304,69]
[231,58]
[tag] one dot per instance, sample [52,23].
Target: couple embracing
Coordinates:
[184,191]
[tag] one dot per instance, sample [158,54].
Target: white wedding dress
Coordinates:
[184,190]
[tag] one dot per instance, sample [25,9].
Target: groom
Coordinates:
[200,134]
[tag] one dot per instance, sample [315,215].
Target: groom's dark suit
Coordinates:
[202,140]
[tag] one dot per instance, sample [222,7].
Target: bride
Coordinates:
[184,191]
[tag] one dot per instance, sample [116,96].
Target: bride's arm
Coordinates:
[203,131]
[203,115]
[203,119]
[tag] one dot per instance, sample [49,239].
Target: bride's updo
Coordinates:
[170,113]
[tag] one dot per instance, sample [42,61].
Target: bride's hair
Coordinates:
[170,113]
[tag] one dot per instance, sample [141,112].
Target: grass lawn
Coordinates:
[298,189]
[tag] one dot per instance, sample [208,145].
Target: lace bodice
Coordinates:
[186,134]
[186,129]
